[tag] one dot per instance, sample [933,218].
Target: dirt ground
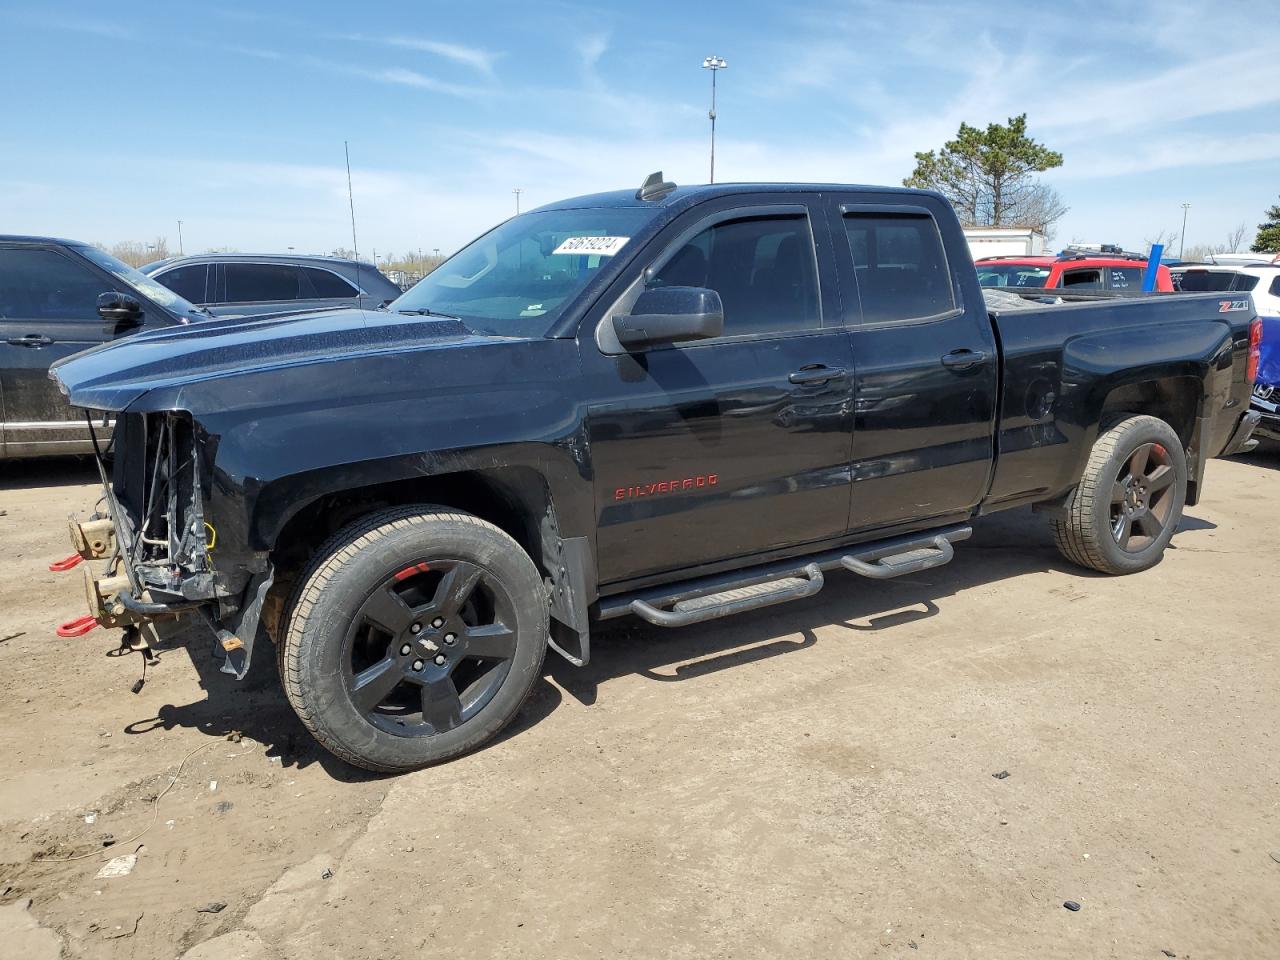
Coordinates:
[814,780]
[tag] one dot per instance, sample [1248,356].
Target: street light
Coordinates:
[713,64]
[1182,240]
[179,238]
[517,191]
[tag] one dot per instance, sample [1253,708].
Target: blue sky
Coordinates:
[122,118]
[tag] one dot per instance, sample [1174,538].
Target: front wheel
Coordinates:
[1129,501]
[415,636]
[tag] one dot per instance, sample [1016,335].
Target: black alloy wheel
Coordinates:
[1142,498]
[430,647]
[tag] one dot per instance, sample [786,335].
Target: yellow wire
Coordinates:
[213,536]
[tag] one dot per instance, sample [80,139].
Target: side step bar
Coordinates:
[709,598]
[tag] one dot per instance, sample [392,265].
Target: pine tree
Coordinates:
[1268,239]
[988,175]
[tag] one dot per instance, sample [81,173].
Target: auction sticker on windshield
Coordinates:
[595,246]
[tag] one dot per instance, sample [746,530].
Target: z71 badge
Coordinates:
[1227,306]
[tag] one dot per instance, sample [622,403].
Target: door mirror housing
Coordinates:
[119,309]
[670,315]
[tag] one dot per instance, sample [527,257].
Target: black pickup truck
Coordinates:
[674,403]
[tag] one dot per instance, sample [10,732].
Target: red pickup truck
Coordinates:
[1080,271]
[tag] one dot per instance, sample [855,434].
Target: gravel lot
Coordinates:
[814,780]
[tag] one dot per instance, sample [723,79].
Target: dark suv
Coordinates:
[58,297]
[250,283]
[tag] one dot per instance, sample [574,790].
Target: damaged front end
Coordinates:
[149,547]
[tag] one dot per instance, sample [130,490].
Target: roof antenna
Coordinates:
[355,247]
[654,187]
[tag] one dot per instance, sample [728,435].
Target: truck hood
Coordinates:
[114,375]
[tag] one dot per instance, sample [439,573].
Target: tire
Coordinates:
[1117,520]
[414,636]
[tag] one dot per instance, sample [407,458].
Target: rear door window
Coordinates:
[762,267]
[1090,279]
[900,266]
[327,285]
[252,282]
[1274,289]
[41,284]
[1245,282]
[187,282]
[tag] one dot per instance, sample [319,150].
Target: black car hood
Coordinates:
[114,375]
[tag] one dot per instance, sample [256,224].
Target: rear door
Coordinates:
[48,310]
[925,364]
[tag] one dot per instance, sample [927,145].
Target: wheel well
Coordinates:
[1175,400]
[514,499]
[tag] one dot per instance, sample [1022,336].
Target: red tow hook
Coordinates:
[78,627]
[66,563]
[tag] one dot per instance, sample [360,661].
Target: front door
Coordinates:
[925,361]
[724,448]
[48,310]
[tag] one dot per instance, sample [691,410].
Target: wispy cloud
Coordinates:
[410,78]
[591,48]
[476,58]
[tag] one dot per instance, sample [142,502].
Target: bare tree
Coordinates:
[136,253]
[1236,237]
[1038,206]
[1163,237]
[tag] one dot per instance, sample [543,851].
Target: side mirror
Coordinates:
[119,309]
[670,315]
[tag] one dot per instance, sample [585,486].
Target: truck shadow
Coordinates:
[256,709]
[1003,545]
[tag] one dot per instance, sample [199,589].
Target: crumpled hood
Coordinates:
[114,375]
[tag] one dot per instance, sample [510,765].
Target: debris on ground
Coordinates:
[1002,775]
[1168,953]
[1275,855]
[327,875]
[214,906]
[1071,905]
[118,867]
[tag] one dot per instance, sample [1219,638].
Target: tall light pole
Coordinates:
[1182,240]
[179,238]
[713,64]
[517,191]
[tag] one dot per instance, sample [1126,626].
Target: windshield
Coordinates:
[143,284]
[1012,274]
[517,279]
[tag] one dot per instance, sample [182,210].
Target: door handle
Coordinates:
[816,373]
[963,359]
[31,340]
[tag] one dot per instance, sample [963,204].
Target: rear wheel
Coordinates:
[414,637]
[1129,501]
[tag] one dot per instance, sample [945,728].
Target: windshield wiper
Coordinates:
[426,312]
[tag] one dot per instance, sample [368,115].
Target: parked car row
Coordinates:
[59,297]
